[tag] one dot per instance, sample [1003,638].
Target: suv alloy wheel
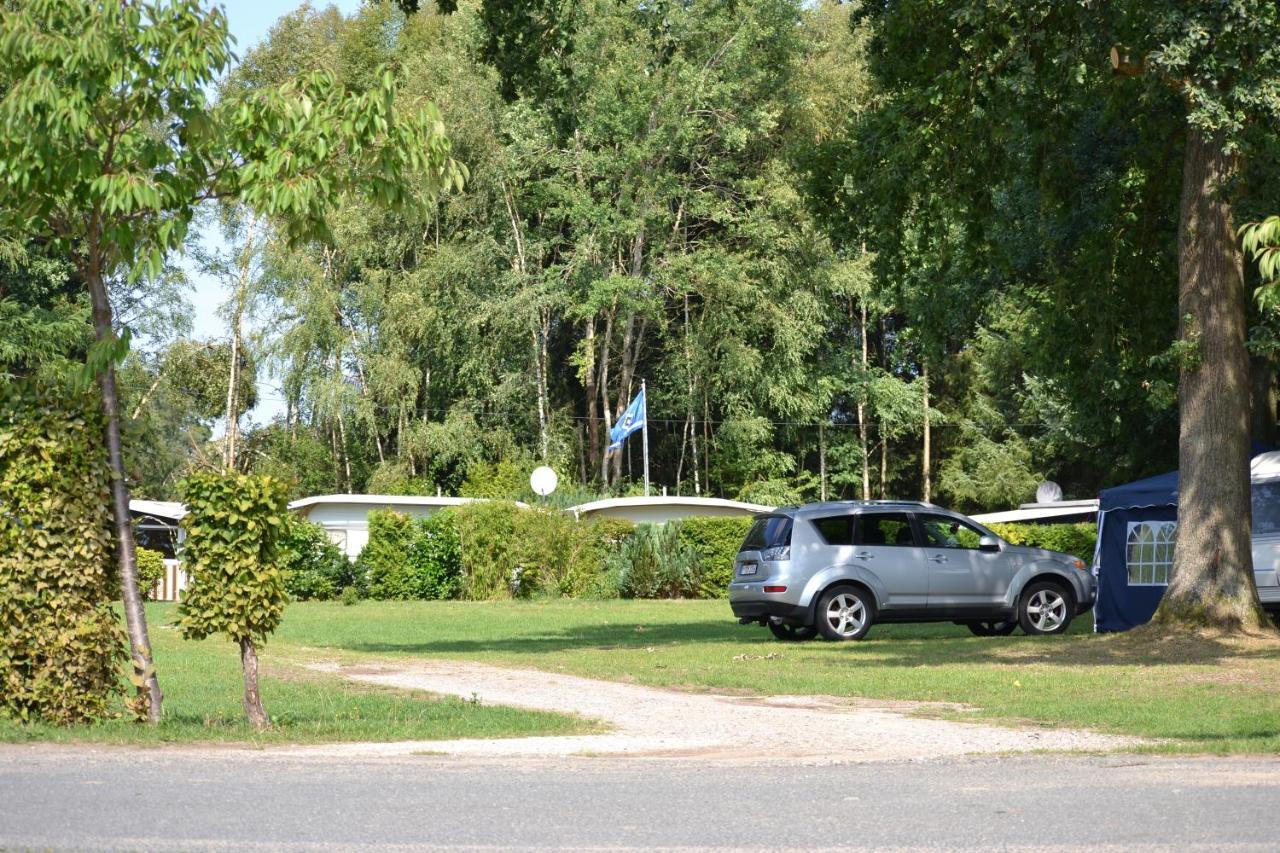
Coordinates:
[844,613]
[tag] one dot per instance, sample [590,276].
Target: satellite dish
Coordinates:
[543,481]
[1048,492]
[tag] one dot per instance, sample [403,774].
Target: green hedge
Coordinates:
[1076,539]
[489,550]
[150,570]
[61,646]
[716,541]
[411,558]
[513,551]
[314,568]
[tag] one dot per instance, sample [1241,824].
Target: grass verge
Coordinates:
[202,685]
[1202,695]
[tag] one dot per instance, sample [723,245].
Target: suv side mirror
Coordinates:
[988,543]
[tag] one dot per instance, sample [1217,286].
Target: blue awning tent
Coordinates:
[1136,525]
[1121,605]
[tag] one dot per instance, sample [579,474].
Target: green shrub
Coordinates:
[314,568]
[412,558]
[1076,539]
[60,644]
[390,535]
[502,480]
[612,532]
[350,596]
[509,551]
[557,554]
[655,563]
[490,559]
[716,542]
[231,553]
[150,571]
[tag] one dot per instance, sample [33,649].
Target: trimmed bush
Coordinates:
[61,645]
[655,563]
[314,568]
[233,524]
[150,571]
[412,558]
[1076,539]
[716,541]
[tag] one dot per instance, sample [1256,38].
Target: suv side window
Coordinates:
[836,529]
[941,531]
[884,528]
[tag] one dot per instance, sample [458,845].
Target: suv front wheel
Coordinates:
[844,613]
[1045,608]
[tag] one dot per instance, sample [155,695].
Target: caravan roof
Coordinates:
[1265,466]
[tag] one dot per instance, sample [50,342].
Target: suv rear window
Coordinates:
[835,529]
[769,532]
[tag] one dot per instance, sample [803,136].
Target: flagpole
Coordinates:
[645,436]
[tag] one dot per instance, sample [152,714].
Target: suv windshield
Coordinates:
[770,532]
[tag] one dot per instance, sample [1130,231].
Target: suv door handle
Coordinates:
[938,558]
[864,555]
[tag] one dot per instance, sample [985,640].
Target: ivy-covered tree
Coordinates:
[234,525]
[108,144]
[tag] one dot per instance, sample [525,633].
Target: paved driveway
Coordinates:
[78,798]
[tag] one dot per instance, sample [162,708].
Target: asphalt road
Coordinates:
[76,798]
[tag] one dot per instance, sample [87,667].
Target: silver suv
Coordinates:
[835,568]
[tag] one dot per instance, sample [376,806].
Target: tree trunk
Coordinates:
[539,367]
[925,464]
[862,408]
[252,699]
[822,460]
[593,416]
[1212,582]
[1263,400]
[135,616]
[233,414]
[884,463]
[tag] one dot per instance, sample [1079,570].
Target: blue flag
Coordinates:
[632,419]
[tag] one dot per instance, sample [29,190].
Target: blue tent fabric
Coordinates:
[1160,490]
[1120,606]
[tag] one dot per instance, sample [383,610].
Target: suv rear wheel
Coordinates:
[844,613]
[1045,608]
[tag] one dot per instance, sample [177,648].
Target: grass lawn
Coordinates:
[1206,695]
[203,693]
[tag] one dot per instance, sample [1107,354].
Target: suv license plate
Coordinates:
[747,569]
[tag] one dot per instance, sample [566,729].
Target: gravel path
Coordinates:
[649,721]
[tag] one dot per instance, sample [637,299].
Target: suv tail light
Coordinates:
[777,552]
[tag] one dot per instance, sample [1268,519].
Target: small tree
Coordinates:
[234,523]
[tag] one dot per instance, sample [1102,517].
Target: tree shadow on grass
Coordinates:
[575,638]
[888,646]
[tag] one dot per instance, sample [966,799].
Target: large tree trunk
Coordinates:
[134,616]
[252,699]
[1212,583]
